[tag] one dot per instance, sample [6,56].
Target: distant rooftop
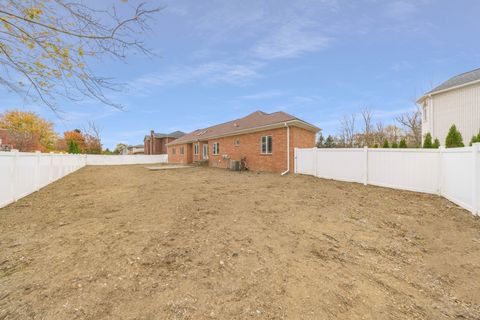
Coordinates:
[175,134]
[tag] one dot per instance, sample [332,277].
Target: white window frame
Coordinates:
[196,149]
[266,144]
[216,148]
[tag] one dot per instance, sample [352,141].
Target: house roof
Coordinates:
[454,82]
[174,134]
[254,121]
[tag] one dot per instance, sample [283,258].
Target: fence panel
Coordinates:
[341,164]
[452,173]
[458,176]
[111,160]
[410,169]
[22,173]
[7,163]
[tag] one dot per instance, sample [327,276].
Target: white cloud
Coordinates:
[214,72]
[291,40]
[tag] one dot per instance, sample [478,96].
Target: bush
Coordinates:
[436,144]
[454,138]
[385,144]
[73,147]
[403,144]
[475,139]
[395,145]
[427,143]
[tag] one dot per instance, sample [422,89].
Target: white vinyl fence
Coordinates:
[22,173]
[451,173]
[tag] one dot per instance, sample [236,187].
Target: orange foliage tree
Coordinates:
[27,131]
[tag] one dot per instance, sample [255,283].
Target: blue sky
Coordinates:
[318,60]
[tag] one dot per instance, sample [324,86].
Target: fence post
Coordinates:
[50,168]
[365,156]
[37,171]
[441,151]
[315,158]
[295,160]
[476,178]
[14,175]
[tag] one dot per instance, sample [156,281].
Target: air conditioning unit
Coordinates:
[234,165]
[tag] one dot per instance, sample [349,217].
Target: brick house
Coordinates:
[156,143]
[260,138]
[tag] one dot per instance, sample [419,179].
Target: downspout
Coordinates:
[288,150]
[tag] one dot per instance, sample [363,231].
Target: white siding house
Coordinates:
[456,101]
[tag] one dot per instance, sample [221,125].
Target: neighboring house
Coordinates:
[156,143]
[5,143]
[456,101]
[260,138]
[138,149]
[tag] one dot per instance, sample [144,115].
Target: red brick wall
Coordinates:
[159,145]
[300,138]
[249,147]
[179,158]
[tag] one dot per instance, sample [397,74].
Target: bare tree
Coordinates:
[412,122]
[46,47]
[366,114]
[348,130]
[93,141]
[379,135]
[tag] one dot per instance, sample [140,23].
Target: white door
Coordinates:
[205,151]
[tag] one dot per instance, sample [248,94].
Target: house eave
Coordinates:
[430,94]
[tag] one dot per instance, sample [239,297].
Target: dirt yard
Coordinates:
[198,243]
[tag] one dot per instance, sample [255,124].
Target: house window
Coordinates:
[425,112]
[196,149]
[174,151]
[267,145]
[237,142]
[216,148]
[182,150]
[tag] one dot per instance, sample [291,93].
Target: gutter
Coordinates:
[288,150]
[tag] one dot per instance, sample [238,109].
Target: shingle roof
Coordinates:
[459,80]
[175,134]
[252,121]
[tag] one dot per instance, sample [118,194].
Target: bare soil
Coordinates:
[124,242]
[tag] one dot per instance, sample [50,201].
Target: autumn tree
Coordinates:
[28,131]
[75,139]
[93,142]
[46,47]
